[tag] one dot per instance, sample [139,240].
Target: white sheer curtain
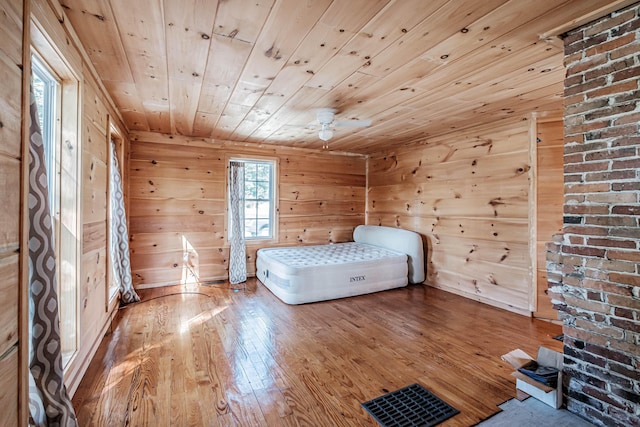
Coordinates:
[238,255]
[120,235]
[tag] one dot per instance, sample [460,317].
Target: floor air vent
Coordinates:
[410,406]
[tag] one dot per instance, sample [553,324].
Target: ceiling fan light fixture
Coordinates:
[325,133]
[326,116]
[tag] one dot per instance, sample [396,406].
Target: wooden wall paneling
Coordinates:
[173,152]
[296,235]
[501,275]
[507,18]
[94,140]
[174,223]
[13,303]
[94,201]
[283,124]
[92,289]
[265,66]
[11,31]
[146,42]
[390,24]
[549,152]
[149,243]
[269,55]
[470,66]
[242,20]
[191,258]
[180,207]
[418,41]
[10,106]
[13,359]
[482,250]
[508,230]
[93,236]
[226,59]
[332,31]
[9,368]
[583,13]
[480,290]
[110,55]
[412,45]
[95,111]
[109,58]
[507,166]
[315,207]
[187,30]
[184,273]
[9,290]
[178,194]
[171,187]
[10,208]
[468,194]
[306,192]
[54,34]
[205,170]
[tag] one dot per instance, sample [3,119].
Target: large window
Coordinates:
[56,90]
[259,199]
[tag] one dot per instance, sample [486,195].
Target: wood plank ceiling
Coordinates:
[257,70]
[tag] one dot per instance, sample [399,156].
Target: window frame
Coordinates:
[67,226]
[274,197]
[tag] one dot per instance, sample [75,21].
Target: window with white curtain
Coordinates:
[259,199]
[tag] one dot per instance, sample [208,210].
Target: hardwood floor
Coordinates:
[212,356]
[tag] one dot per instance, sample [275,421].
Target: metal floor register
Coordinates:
[408,407]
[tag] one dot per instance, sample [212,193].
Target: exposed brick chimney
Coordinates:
[594,266]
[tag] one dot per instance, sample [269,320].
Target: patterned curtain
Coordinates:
[238,255]
[45,363]
[120,235]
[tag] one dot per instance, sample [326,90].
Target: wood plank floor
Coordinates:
[213,356]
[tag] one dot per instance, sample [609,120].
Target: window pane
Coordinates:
[250,190]
[263,228]
[250,209]
[249,171]
[39,92]
[264,171]
[264,209]
[262,190]
[250,228]
[259,204]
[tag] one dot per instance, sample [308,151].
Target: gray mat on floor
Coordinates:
[532,413]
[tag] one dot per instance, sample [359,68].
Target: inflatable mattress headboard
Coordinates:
[396,239]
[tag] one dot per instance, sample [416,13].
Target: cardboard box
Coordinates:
[546,357]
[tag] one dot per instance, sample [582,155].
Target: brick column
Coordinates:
[594,272]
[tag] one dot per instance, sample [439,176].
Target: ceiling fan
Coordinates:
[326,118]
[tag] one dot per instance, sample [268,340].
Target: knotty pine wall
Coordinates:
[468,193]
[11,61]
[549,204]
[178,202]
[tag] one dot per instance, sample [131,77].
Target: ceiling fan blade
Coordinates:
[354,123]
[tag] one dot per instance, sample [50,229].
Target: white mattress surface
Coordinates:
[341,253]
[314,273]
